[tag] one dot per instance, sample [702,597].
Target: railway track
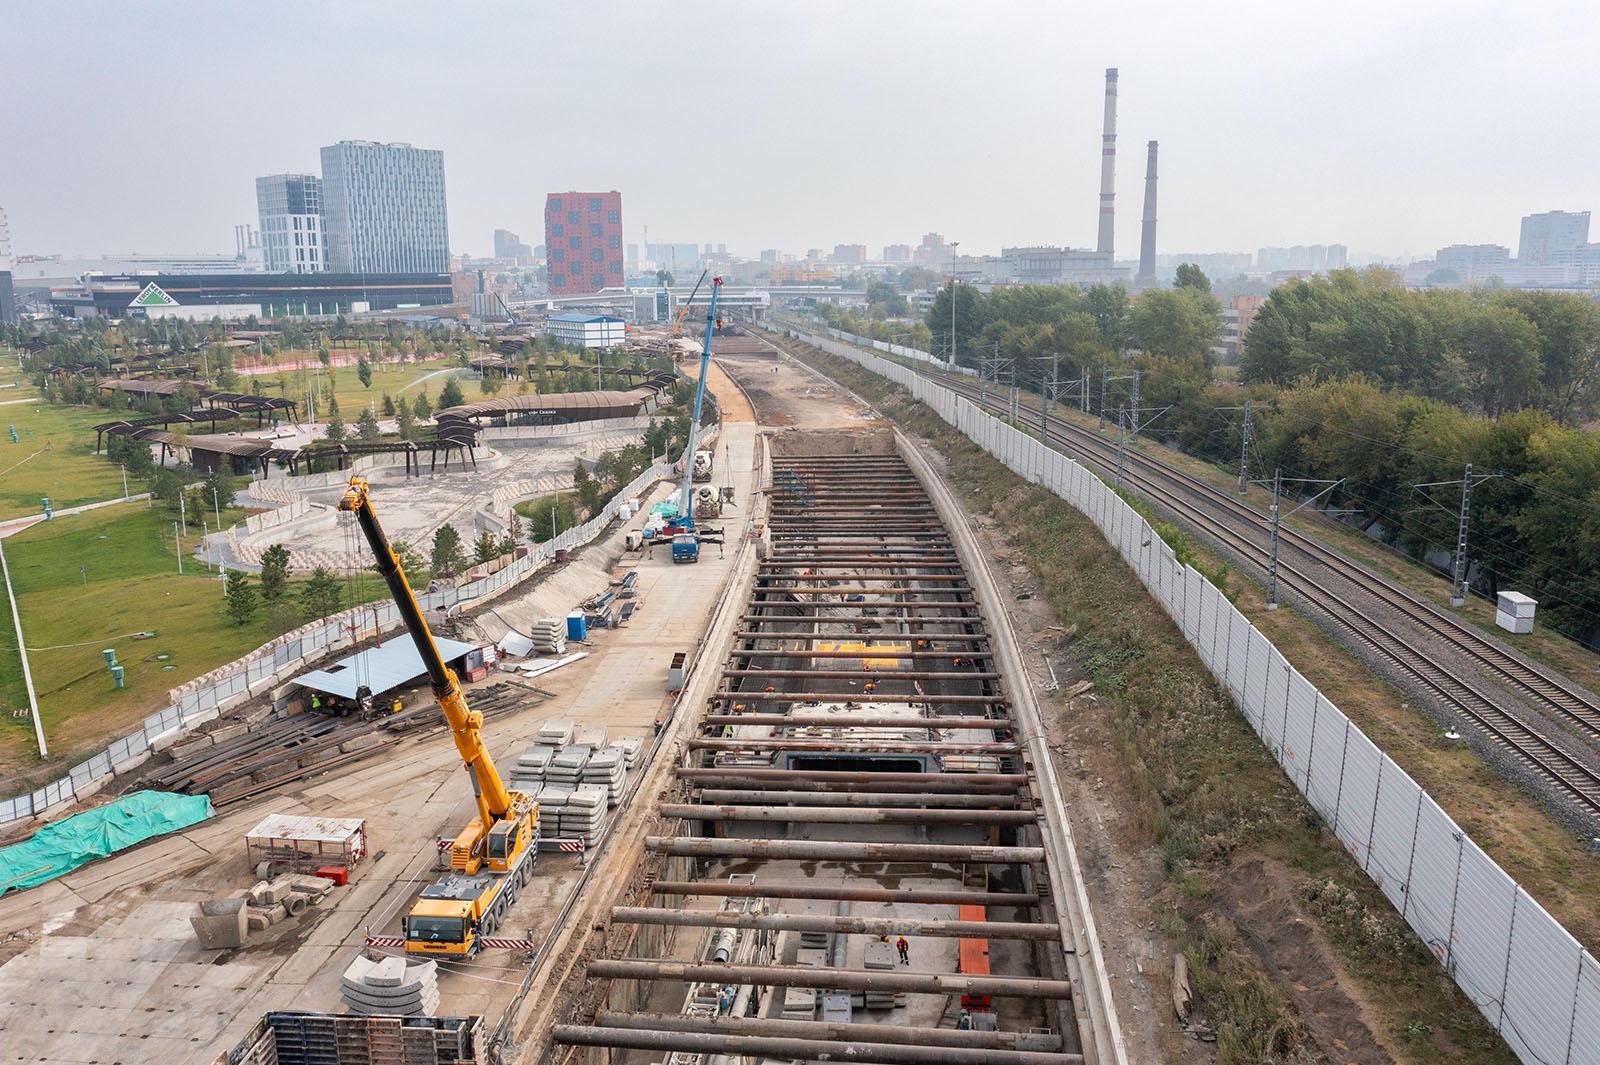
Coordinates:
[1241,529]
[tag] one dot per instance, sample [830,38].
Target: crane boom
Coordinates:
[683,312]
[686,498]
[466,725]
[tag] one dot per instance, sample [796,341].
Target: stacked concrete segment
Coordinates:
[391,986]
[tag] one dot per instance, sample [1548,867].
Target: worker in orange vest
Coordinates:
[905,950]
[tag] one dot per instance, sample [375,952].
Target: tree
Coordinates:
[512,536]
[388,405]
[421,407]
[405,421]
[336,432]
[239,601]
[411,563]
[486,548]
[274,573]
[590,491]
[367,426]
[218,490]
[447,558]
[1175,323]
[1191,276]
[549,517]
[319,596]
[450,395]
[364,371]
[664,278]
[1499,349]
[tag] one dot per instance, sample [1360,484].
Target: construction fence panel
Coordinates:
[1481,933]
[1238,660]
[1584,1041]
[1396,811]
[1303,708]
[1258,701]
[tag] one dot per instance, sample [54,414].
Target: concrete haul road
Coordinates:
[867,765]
[101,965]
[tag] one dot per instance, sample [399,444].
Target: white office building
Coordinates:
[590,330]
[383,209]
[1475,262]
[1551,237]
[291,223]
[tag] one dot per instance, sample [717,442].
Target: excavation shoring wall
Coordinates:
[1534,982]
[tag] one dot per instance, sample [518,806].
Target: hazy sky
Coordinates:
[1387,126]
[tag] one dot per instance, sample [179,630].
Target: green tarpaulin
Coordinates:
[59,848]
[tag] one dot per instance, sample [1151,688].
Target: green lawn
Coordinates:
[54,456]
[13,693]
[404,380]
[131,586]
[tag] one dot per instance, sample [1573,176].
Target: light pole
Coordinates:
[954,244]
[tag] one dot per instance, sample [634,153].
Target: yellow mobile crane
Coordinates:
[493,857]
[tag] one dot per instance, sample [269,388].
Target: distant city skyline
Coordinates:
[1278,127]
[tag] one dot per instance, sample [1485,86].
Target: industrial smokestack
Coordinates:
[1108,168]
[1147,235]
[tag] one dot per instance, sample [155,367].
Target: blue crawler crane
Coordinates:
[685,540]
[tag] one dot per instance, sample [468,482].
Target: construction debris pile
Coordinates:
[263,748]
[391,987]
[220,924]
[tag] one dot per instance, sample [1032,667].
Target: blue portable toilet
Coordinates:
[577,627]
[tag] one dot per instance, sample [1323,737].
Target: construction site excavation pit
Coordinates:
[854,856]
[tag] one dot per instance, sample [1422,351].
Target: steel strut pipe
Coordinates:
[1039,1042]
[846,979]
[841,851]
[841,746]
[834,697]
[930,638]
[853,791]
[873,721]
[846,815]
[965,615]
[870,652]
[822,892]
[869,674]
[845,746]
[814,799]
[796,777]
[887,1045]
[820,922]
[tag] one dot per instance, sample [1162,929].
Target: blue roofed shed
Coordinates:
[386,667]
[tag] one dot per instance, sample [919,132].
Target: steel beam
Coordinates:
[912,800]
[846,746]
[855,720]
[869,653]
[833,697]
[965,615]
[931,638]
[803,779]
[869,674]
[845,979]
[824,922]
[747,1047]
[873,1033]
[841,851]
[848,815]
[904,896]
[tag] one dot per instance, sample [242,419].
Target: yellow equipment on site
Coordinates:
[492,857]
